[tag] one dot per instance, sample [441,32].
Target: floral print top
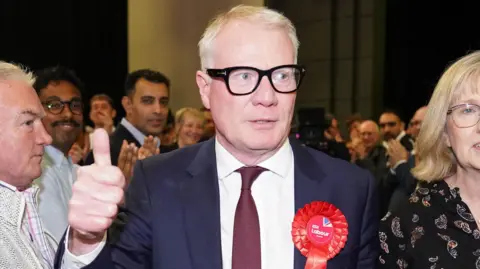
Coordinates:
[433,229]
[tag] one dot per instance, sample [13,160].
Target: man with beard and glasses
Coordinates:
[146,105]
[59,91]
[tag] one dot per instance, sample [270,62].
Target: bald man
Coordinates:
[416,121]
[370,134]
[373,157]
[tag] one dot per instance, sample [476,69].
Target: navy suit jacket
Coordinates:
[174,211]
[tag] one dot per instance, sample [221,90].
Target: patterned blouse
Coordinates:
[433,229]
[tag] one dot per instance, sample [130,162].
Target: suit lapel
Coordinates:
[124,134]
[202,210]
[308,187]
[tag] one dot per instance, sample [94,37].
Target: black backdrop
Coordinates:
[87,36]
[422,39]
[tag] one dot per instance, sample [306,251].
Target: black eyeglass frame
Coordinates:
[225,73]
[69,103]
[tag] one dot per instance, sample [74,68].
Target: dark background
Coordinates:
[87,36]
[422,37]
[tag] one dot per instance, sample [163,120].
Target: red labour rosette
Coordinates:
[319,231]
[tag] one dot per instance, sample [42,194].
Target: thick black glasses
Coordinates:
[56,106]
[243,80]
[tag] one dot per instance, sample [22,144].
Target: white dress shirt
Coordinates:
[273,192]
[274,195]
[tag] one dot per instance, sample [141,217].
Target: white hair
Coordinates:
[261,15]
[9,71]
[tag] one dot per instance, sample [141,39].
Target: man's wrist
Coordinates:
[80,244]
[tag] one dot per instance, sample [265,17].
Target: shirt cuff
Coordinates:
[392,170]
[71,261]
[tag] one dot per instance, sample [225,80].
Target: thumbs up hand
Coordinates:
[96,194]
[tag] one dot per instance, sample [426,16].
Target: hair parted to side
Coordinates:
[435,159]
[10,71]
[261,15]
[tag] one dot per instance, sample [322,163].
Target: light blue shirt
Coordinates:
[55,183]
[139,136]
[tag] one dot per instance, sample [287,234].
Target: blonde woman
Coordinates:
[438,226]
[189,127]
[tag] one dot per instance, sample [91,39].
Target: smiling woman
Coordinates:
[189,123]
[439,222]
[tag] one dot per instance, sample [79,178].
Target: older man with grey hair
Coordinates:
[227,203]
[25,244]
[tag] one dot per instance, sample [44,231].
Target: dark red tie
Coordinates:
[246,230]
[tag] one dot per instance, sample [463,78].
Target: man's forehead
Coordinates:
[369,128]
[18,98]
[14,91]
[147,88]
[30,111]
[60,89]
[249,43]
[388,117]
[5,83]
[9,84]
[100,102]
[420,114]
[236,27]
[20,110]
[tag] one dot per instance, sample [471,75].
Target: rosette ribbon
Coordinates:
[319,232]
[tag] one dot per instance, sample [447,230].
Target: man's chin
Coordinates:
[64,142]
[265,144]
[154,131]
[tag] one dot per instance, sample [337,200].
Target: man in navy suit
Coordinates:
[196,208]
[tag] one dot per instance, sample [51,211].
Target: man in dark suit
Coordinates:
[372,155]
[402,182]
[228,202]
[146,106]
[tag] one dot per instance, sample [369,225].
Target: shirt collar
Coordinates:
[57,156]
[31,190]
[139,136]
[401,135]
[7,186]
[278,163]
[398,138]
